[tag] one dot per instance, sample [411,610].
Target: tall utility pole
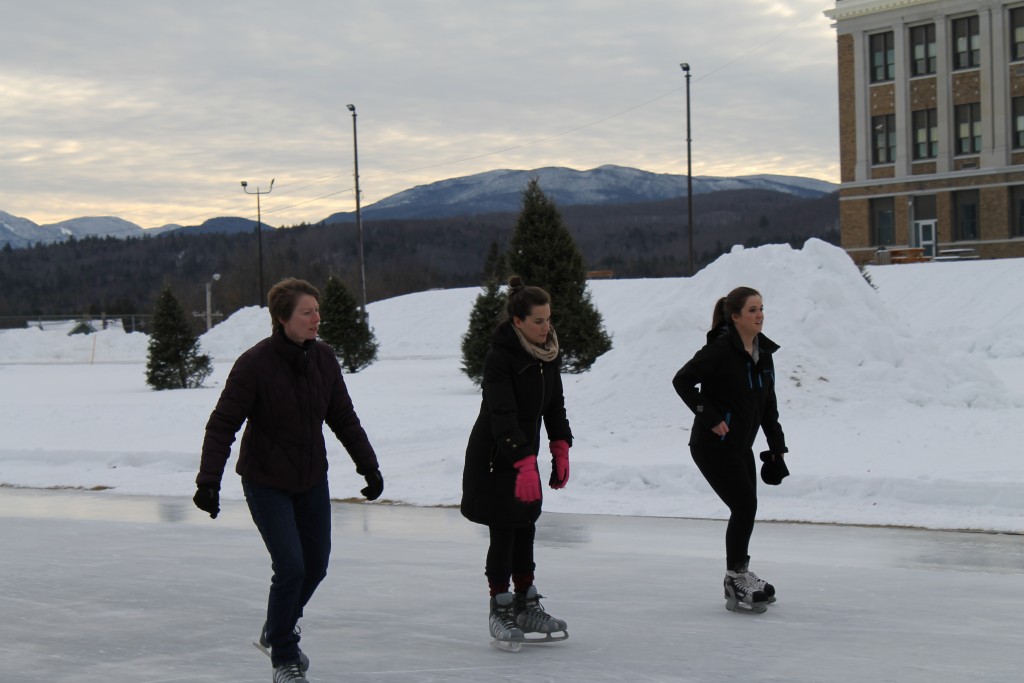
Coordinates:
[689,171]
[259,235]
[359,217]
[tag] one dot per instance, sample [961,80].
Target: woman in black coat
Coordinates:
[736,375]
[522,387]
[284,389]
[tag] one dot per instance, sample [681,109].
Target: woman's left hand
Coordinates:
[559,464]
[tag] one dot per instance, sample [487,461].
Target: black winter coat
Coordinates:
[286,392]
[519,392]
[733,389]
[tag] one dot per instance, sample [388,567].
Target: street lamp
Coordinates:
[359,218]
[209,322]
[689,173]
[259,232]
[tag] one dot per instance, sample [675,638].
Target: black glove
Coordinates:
[207,499]
[774,469]
[374,485]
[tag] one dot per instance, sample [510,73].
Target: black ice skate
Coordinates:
[763,586]
[531,618]
[741,593]
[263,645]
[505,633]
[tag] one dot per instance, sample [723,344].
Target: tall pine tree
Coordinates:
[487,312]
[174,359]
[343,328]
[545,255]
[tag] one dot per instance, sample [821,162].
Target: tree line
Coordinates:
[93,276]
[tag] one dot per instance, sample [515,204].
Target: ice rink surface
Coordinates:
[98,588]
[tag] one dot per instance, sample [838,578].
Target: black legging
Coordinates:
[510,553]
[733,476]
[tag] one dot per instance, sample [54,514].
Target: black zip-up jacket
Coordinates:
[285,393]
[733,389]
[519,393]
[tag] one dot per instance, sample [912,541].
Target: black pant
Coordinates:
[510,553]
[733,476]
[296,529]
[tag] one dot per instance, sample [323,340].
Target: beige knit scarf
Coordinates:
[546,352]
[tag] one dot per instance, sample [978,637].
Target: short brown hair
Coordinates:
[284,297]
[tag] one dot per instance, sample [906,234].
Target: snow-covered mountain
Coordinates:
[501,191]
[489,192]
[21,232]
[96,226]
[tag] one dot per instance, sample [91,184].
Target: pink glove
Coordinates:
[559,464]
[527,480]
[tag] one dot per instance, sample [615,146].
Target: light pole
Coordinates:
[689,172]
[209,285]
[259,233]
[359,218]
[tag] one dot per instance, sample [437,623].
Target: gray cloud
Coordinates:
[155,111]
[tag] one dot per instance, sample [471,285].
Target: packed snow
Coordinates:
[900,401]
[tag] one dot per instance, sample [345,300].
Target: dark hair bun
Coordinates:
[515,282]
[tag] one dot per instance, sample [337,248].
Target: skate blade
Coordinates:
[744,608]
[507,645]
[555,637]
[261,648]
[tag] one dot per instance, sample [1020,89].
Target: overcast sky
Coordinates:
[155,111]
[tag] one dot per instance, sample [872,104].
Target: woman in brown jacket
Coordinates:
[285,388]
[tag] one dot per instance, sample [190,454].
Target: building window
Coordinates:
[965,206]
[926,134]
[883,222]
[922,50]
[883,57]
[968,128]
[1017,33]
[1017,211]
[1018,122]
[883,139]
[966,43]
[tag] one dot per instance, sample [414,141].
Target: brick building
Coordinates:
[931,121]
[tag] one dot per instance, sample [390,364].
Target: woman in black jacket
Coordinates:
[522,387]
[736,397]
[285,388]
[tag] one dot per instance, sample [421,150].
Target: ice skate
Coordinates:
[760,584]
[741,594]
[502,622]
[289,673]
[531,618]
[264,646]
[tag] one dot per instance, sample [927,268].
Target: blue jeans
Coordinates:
[296,528]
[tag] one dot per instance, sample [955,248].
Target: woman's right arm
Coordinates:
[500,399]
[234,406]
[697,371]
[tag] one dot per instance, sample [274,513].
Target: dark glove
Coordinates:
[374,485]
[774,469]
[207,499]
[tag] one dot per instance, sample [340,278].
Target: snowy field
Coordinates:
[901,405]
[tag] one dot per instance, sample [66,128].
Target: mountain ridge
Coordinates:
[497,191]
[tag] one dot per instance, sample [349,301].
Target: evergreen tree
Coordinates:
[174,359]
[344,329]
[487,311]
[545,255]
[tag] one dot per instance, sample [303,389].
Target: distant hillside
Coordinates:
[500,191]
[474,195]
[642,239]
